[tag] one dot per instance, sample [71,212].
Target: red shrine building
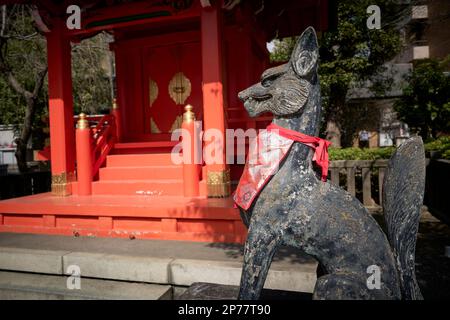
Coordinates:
[113,176]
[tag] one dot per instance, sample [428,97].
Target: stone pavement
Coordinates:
[173,263]
[178,264]
[25,286]
[432,266]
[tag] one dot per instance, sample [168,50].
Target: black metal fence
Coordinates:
[15,185]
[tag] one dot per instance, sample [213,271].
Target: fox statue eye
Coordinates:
[266,82]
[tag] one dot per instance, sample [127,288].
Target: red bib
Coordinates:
[265,155]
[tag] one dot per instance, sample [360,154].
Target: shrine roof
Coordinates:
[277,18]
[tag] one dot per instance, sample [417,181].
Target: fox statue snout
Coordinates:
[284,90]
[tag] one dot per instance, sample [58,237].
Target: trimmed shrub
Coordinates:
[361,154]
[439,148]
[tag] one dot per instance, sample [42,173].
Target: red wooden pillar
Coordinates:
[190,168]
[84,156]
[62,133]
[116,112]
[218,174]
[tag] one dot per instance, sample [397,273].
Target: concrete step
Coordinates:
[139,187]
[18,286]
[139,160]
[175,263]
[141,173]
[144,147]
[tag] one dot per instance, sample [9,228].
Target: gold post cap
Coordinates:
[82,122]
[114,104]
[188,115]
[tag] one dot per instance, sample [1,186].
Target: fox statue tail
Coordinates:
[403,189]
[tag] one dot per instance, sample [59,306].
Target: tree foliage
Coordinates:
[23,85]
[350,55]
[425,104]
[91,74]
[23,69]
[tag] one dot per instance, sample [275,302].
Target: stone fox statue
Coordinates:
[296,208]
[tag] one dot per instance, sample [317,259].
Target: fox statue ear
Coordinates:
[305,54]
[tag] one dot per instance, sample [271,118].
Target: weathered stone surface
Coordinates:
[296,208]
[120,267]
[143,260]
[185,272]
[29,260]
[405,176]
[15,286]
[214,291]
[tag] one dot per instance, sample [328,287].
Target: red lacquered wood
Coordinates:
[145,217]
[104,140]
[62,133]
[118,123]
[190,168]
[84,161]
[213,102]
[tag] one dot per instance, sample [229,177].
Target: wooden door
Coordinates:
[171,80]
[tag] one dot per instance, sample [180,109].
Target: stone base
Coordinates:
[212,291]
[32,286]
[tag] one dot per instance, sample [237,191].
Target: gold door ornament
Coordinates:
[179,88]
[153,127]
[176,124]
[152,91]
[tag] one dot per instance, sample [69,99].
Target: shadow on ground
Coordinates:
[432,266]
[283,253]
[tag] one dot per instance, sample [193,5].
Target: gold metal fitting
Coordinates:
[218,184]
[82,122]
[114,104]
[62,184]
[188,114]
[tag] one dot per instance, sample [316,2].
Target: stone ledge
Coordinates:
[185,272]
[120,267]
[31,260]
[291,276]
[38,287]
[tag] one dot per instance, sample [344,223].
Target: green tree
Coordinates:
[282,49]
[23,67]
[425,104]
[92,70]
[23,70]
[350,55]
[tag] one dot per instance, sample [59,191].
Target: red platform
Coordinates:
[143,217]
[168,54]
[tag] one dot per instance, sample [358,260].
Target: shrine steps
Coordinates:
[137,216]
[141,172]
[139,187]
[135,195]
[152,174]
[144,147]
[150,159]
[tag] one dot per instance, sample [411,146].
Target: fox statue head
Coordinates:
[286,90]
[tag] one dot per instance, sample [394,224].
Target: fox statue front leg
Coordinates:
[261,244]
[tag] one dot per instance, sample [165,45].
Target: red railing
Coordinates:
[93,145]
[103,140]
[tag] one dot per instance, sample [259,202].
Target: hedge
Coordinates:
[439,148]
